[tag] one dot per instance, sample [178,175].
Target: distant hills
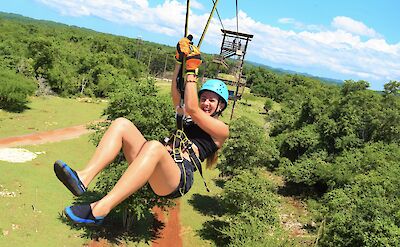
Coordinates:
[281,71]
[285,71]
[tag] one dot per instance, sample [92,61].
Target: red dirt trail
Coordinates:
[169,235]
[44,137]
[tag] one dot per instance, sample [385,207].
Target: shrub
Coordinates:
[309,169]
[246,148]
[366,213]
[244,230]
[269,103]
[300,141]
[252,218]
[252,193]
[14,90]
[364,210]
[138,101]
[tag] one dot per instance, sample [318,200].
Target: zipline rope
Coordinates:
[208,22]
[219,17]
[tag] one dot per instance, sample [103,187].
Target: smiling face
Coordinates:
[210,103]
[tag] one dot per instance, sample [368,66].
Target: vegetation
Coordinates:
[14,90]
[336,141]
[246,140]
[337,147]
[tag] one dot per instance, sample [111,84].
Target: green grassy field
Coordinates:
[31,217]
[48,113]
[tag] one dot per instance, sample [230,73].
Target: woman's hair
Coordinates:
[212,160]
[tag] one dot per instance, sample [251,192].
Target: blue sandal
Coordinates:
[69,178]
[82,214]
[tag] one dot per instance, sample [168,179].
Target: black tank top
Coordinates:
[201,139]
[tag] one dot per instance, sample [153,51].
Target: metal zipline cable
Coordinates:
[237,18]
[187,18]
[208,23]
[219,17]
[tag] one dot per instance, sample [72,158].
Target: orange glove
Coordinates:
[193,56]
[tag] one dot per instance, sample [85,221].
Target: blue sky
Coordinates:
[342,39]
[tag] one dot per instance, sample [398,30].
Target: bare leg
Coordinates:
[122,133]
[153,165]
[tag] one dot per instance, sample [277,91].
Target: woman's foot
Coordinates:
[69,178]
[82,214]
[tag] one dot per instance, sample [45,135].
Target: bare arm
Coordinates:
[217,129]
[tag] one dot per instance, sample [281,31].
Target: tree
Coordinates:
[350,86]
[14,90]
[42,53]
[392,88]
[251,216]
[246,148]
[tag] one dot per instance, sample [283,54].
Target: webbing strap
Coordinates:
[180,144]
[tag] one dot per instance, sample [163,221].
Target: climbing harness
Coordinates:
[182,143]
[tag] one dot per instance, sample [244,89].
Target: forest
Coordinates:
[337,147]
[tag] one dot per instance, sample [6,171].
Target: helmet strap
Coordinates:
[216,112]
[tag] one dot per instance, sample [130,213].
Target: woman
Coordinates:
[151,161]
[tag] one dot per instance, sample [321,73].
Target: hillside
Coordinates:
[21,19]
[291,72]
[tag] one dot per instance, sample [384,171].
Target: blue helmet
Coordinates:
[218,87]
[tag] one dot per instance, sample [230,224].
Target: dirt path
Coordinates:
[44,137]
[170,234]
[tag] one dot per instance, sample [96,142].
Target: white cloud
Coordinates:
[353,26]
[299,25]
[336,51]
[286,20]
[196,5]
[350,48]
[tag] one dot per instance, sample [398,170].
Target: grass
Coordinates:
[32,217]
[49,113]
[193,205]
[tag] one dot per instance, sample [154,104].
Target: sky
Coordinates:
[339,39]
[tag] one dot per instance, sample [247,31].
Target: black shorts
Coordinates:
[183,187]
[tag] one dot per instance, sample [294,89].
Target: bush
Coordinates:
[138,101]
[252,193]
[14,90]
[269,103]
[309,169]
[298,142]
[366,213]
[252,218]
[246,148]
[372,157]
[363,207]
[244,230]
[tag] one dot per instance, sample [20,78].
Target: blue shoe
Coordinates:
[82,214]
[69,178]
